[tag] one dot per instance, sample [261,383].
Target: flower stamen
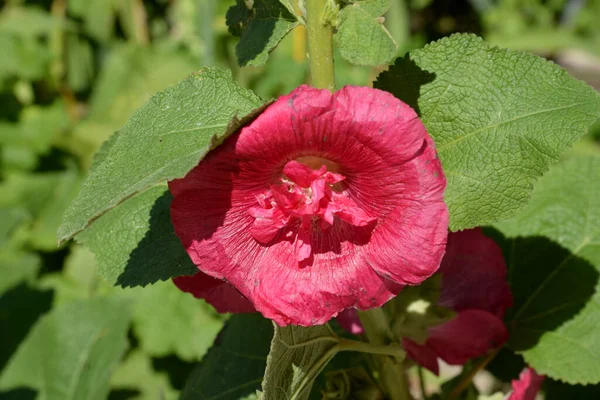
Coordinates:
[304,199]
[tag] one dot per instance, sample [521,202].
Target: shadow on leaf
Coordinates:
[404,80]
[21,307]
[159,255]
[550,285]
[19,394]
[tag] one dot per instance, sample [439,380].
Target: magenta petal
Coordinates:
[474,274]
[473,333]
[220,294]
[527,386]
[422,354]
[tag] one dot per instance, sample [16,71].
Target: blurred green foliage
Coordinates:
[73,72]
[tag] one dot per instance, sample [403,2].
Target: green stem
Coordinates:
[422,382]
[206,15]
[398,23]
[385,350]
[320,45]
[392,374]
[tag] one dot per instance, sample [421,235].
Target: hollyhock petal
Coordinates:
[527,386]
[220,294]
[362,144]
[415,232]
[471,334]
[423,355]
[474,274]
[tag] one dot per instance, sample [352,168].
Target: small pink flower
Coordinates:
[474,285]
[324,202]
[527,386]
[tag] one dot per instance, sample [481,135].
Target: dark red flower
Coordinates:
[527,386]
[473,285]
[324,202]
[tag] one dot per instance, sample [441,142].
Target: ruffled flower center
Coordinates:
[305,199]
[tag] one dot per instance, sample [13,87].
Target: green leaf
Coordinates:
[361,36]
[233,369]
[46,196]
[136,373]
[192,329]
[260,29]
[148,252]
[17,266]
[499,118]
[37,129]
[555,276]
[163,140]
[297,356]
[71,353]
[21,307]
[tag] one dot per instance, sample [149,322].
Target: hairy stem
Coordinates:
[320,45]
[391,370]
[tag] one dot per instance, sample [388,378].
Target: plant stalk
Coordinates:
[391,369]
[320,45]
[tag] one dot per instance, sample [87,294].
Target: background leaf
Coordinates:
[361,37]
[163,140]
[555,277]
[71,353]
[192,329]
[499,118]
[233,369]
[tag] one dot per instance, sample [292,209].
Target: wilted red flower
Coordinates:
[324,202]
[474,285]
[527,386]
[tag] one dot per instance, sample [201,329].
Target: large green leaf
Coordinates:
[163,140]
[233,369]
[361,36]
[297,356]
[260,29]
[554,273]
[147,249]
[71,353]
[499,118]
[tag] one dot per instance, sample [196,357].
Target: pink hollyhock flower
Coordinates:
[324,202]
[527,386]
[474,285]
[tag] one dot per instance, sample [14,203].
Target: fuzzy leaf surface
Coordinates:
[260,29]
[553,254]
[163,140]
[499,119]
[297,356]
[361,36]
[135,244]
